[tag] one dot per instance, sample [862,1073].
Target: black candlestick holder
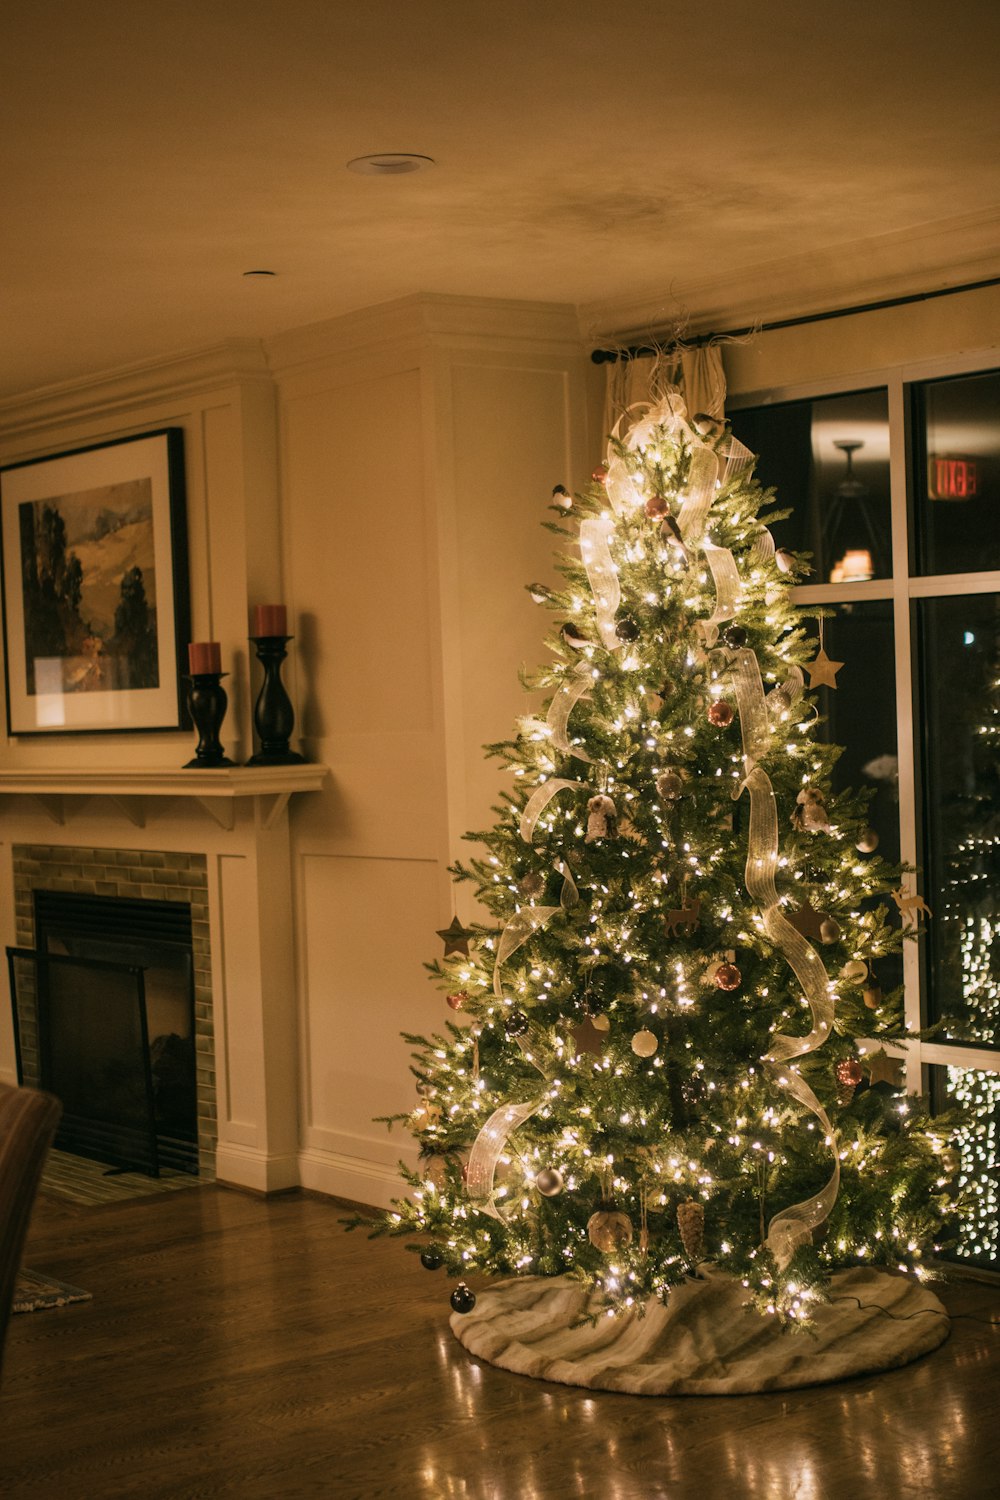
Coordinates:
[208,701]
[273,714]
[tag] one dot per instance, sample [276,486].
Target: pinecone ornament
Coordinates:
[849,1074]
[691,1223]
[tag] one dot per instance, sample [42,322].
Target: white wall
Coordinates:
[420,444]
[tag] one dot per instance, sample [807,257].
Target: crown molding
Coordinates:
[120,390]
[928,257]
[410,326]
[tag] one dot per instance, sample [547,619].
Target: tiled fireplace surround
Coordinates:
[221,840]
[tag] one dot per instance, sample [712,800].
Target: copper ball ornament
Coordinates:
[728,977]
[600,474]
[549,1182]
[656,507]
[457,1000]
[721,714]
[609,1230]
[645,1043]
[867,841]
[849,1072]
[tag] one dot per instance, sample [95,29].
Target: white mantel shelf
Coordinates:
[216,792]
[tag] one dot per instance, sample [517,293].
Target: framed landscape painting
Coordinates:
[95,596]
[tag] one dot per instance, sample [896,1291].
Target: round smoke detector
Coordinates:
[389,163]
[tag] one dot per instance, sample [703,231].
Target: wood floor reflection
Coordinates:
[240,1348]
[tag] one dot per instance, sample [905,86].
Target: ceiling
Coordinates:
[642,161]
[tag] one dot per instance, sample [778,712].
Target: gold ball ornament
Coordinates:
[721,714]
[829,930]
[609,1230]
[727,977]
[645,1043]
[670,785]
[600,1023]
[783,560]
[867,841]
[855,971]
[562,497]
[872,996]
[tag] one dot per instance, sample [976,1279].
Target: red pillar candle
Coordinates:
[203,657]
[269,619]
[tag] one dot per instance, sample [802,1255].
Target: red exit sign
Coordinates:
[953,478]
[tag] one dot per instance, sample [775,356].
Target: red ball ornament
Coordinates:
[721,714]
[458,999]
[849,1072]
[600,474]
[656,507]
[728,977]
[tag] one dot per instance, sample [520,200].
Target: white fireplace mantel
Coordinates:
[216,792]
[238,818]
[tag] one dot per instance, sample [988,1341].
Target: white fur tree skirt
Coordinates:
[705,1342]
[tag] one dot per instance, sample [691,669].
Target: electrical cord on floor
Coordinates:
[933,1312]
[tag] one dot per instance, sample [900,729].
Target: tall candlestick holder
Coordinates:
[207,699]
[273,714]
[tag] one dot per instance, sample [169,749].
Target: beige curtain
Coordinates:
[697,373]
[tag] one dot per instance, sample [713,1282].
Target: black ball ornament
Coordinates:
[462,1299]
[735,637]
[626,629]
[432,1260]
[516,1024]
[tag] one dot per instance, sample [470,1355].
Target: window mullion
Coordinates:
[906,747]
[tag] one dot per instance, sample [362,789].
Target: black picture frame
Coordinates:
[94,573]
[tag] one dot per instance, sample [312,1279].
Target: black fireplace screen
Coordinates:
[104,1019]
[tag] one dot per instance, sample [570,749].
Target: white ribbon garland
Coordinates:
[602,575]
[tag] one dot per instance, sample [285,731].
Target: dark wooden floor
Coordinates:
[242,1348]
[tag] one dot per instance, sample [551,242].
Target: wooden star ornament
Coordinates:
[823,671]
[807,920]
[456,938]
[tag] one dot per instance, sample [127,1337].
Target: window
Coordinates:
[896,490]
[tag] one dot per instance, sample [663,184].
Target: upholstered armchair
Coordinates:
[28,1122]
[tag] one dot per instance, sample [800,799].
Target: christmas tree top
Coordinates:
[653,1066]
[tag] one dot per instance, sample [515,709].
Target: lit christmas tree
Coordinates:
[652,1065]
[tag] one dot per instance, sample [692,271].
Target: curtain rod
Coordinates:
[636,351]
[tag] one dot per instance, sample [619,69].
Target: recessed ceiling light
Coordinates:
[252,274]
[389,163]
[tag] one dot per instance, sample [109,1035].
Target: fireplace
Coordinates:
[111,982]
[104,1019]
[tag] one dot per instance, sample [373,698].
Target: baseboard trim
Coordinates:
[349,1177]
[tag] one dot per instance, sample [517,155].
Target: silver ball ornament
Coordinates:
[549,1182]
